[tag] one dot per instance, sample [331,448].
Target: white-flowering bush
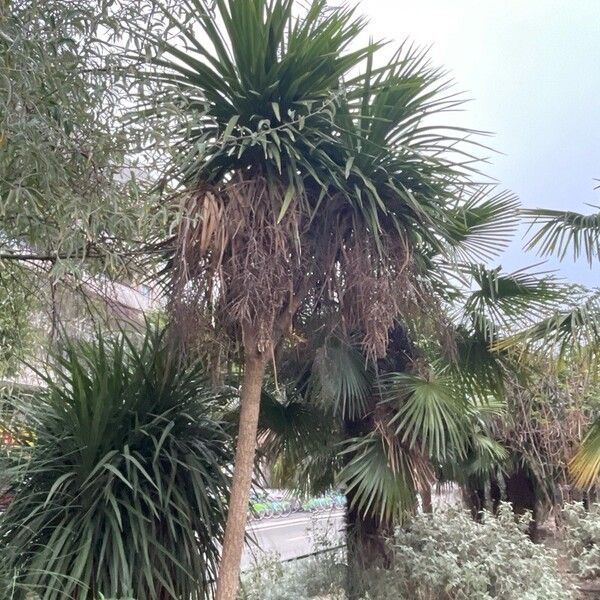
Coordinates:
[581,530]
[448,556]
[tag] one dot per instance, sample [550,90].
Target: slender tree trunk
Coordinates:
[233,543]
[426,500]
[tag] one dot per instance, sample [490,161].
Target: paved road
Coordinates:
[291,536]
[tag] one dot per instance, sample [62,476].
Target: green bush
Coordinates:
[444,556]
[321,576]
[581,532]
[448,556]
[124,493]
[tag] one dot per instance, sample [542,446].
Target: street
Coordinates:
[297,535]
[291,536]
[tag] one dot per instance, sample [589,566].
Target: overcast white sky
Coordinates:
[532,68]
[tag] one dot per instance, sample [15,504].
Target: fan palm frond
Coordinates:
[341,380]
[478,370]
[572,330]
[483,225]
[428,415]
[562,230]
[483,454]
[300,438]
[313,473]
[501,302]
[381,476]
[585,464]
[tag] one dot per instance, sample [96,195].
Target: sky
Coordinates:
[532,71]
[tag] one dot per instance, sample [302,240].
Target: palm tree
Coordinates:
[380,434]
[573,331]
[297,177]
[385,431]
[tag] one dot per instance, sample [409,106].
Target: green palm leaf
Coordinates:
[300,439]
[585,464]
[483,455]
[483,225]
[397,169]
[429,416]
[262,91]
[572,330]
[381,477]
[558,231]
[501,302]
[340,379]
[478,370]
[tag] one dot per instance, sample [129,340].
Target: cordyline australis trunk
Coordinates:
[254,371]
[239,263]
[255,363]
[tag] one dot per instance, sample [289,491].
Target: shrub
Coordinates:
[449,556]
[444,556]
[581,531]
[321,576]
[124,492]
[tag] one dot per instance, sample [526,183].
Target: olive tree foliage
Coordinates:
[67,185]
[16,329]
[74,181]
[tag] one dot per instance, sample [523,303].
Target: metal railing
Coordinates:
[315,553]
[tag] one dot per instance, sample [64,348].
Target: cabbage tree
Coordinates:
[301,168]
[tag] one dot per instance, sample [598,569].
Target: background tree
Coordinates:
[16,328]
[66,191]
[73,209]
[573,332]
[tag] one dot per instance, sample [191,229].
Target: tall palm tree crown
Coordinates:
[298,168]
